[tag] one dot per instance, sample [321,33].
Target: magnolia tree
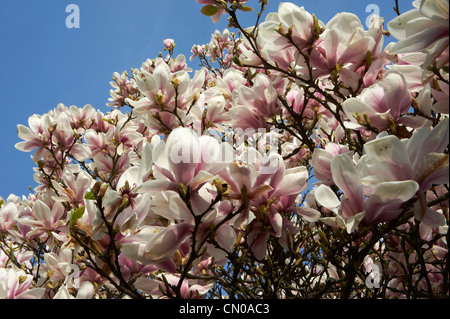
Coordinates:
[303,159]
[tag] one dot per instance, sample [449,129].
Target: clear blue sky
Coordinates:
[44,63]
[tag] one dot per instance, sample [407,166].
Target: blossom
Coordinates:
[381,104]
[86,291]
[169,43]
[45,221]
[16,284]
[289,17]
[382,204]
[424,29]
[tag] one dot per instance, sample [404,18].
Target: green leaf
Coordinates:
[209,10]
[89,195]
[76,215]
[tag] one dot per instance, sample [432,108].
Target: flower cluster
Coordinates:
[301,156]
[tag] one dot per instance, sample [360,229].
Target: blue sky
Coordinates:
[44,63]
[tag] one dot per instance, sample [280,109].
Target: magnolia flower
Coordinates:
[184,158]
[156,245]
[424,29]
[169,43]
[380,104]
[16,284]
[420,158]
[86,291]
[75,184]
[343,43]
[289,17]
[190,289]
[382,204]
[8,214]
[321,161]
[36,136]
[45,221]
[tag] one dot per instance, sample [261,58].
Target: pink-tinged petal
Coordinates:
[274,168]
[200,179]
[421,40]
[424,141]
[412,75]
[166,242]
[157,185]
[210,150]
[86,291]
[146,83]
[81,152]
[146,162]
[436,10]
[309,214]
[276,220]
[34,293]
[326,197]
[147,285]
[390,153]
[25,133]
[353,222]
[259,246]
[63,293]
[386,198]
[130,176]
[347,24]
[167,265]
[346,177]
[12,284]
[331,43]
[355,106]
[433,218]
[226,237]
[321,162]
[27,146]
[397,25]
[294,182]
[396,93]
[441,107]
[259,191]
[142,106]
[184,153]
[41,211]
[433,170]
[357,50]
[241,173]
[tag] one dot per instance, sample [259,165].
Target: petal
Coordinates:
[156,186]
[421,40]
[86,291]
[353,222]
[346,177]
[166,242]
[397,25]
[391,154]
[326,197]
[294,182]
[41,211]
[384,202]
[309,214]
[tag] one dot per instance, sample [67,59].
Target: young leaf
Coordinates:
[76,215]
[209,10]
[89,195]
